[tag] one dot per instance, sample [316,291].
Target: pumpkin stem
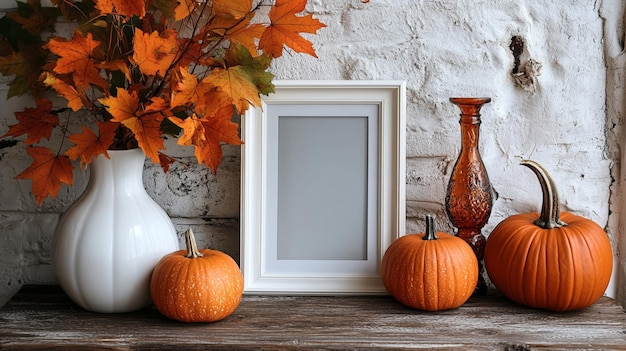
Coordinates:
[430,233]
[550,216]
[192,247]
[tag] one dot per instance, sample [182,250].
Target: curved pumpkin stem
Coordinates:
[430,233]
[192,247]
[550,216]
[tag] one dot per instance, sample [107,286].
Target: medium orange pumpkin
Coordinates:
[196,285]
[549,260]
[430,271]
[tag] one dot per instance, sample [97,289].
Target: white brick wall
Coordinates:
[441,48]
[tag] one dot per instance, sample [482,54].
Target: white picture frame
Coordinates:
[314,231]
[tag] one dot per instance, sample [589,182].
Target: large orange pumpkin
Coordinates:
[549,260]
[430,271]
[196,285]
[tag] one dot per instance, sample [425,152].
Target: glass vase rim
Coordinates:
[470,100]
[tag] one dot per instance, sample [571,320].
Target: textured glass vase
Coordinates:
[469,197]
[109,241]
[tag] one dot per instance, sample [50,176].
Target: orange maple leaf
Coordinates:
[285,28]
[230,8]
[193,130]
[122,106]
[116,65]
[213,103]
[36,123]
[89,145]
[76,58]
[186,91]
[154,53]
[147,130]
[184,9]
[146,126]
[217,130]
[47,172]
[246,34]
[128,8]
[75,99]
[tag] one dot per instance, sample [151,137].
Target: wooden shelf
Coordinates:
[42,317]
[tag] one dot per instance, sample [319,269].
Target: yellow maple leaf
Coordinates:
[235,82]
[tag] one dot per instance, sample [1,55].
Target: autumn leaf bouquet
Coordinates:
[137,72]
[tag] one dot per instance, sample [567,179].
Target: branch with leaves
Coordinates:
[143,69]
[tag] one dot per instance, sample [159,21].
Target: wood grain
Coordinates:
[42,317]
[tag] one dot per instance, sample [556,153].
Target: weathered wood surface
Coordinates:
[42,317]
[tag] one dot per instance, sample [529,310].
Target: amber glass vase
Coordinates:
[469,197]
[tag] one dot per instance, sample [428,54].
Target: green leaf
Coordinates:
[35,18]
[254,67]
[25,66]
[168,7]
[13,33]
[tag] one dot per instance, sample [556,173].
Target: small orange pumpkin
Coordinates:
[430,271]
[196,285]
[549,260]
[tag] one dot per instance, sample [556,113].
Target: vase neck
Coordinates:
[470,131]
[124,169]
[470,120]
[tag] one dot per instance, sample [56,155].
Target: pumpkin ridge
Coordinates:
[172,300]
[433,298]
[589,275]
[512,284]
[457,275]
[585,291]
[452,275]
[574,255]
[535,279]
[415,289]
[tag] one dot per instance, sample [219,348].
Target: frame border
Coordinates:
[390,95]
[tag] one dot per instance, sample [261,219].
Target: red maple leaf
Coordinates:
[89,145]
[47,172]
[36,123]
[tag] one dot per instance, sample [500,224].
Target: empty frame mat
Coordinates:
[322,188]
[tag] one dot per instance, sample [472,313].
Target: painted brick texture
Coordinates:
[442,49]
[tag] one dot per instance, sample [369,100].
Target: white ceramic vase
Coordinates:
[109,241]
